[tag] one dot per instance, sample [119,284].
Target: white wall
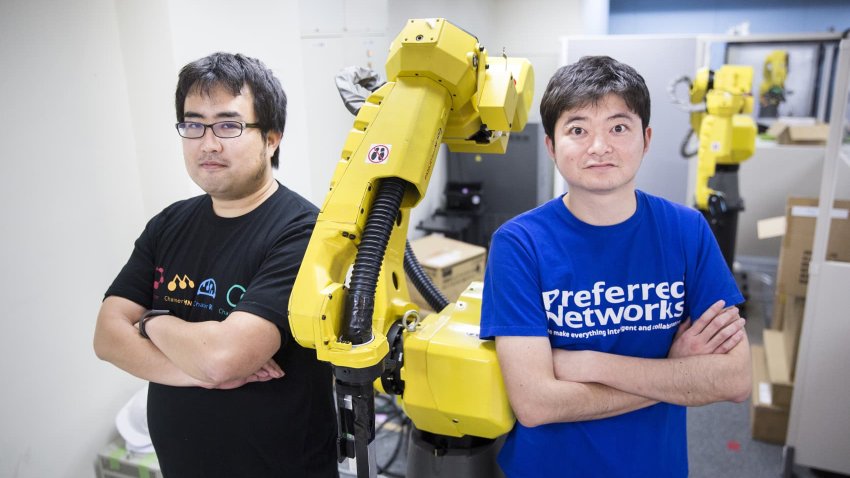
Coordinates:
[90,154]
[149,71]
[334,34]
[72,206]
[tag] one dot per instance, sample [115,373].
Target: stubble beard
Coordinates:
[234,190]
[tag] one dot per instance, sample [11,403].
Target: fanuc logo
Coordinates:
[603,305]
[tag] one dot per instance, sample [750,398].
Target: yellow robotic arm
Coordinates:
[772,88]
[727,137]
[350,301]
[726,132]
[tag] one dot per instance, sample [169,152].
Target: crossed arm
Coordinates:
[224,354]
[709,361]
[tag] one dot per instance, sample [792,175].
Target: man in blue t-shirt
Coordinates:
[608,305]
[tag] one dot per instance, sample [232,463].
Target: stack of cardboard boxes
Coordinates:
[775,361]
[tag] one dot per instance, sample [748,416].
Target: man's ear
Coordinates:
[273,139]
[550,147]
[647,136]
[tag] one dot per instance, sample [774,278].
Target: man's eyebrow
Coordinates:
[574,118]
[621,116]
[223,114]
[615,116]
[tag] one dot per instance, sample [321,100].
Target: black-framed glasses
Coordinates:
[222,129]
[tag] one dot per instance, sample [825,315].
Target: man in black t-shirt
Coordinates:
[199,309]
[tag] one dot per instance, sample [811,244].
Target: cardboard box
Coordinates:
[768,422]
[450,264]
[803,134]
[788,320]
[792,314]
[778,376]
[796,250]
[114,461]
[778,319]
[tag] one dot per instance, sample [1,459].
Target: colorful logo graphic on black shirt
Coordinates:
[232,298]
[183,282]
[158,282]
[207,288]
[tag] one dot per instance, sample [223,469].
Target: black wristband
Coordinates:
[148,316]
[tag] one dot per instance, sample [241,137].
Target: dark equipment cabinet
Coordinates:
[485,190]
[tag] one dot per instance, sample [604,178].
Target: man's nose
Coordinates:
[599,145]
[209,141]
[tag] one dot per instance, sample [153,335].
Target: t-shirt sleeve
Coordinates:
[267,295]
[709,278]
[136,280]
[512,302]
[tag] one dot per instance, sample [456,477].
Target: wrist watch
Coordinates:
[148,316]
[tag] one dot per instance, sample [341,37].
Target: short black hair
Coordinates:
[586,82]
[233,72]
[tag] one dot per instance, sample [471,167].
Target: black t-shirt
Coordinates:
[203,267]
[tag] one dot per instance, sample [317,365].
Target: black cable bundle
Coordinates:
[360,303]
[393,413]
[422,282]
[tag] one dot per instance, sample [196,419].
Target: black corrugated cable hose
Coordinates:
[432,295]
[360,303]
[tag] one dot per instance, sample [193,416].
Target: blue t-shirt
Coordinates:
[621,289]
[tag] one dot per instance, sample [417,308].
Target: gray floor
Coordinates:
[718,435]
[719,440]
